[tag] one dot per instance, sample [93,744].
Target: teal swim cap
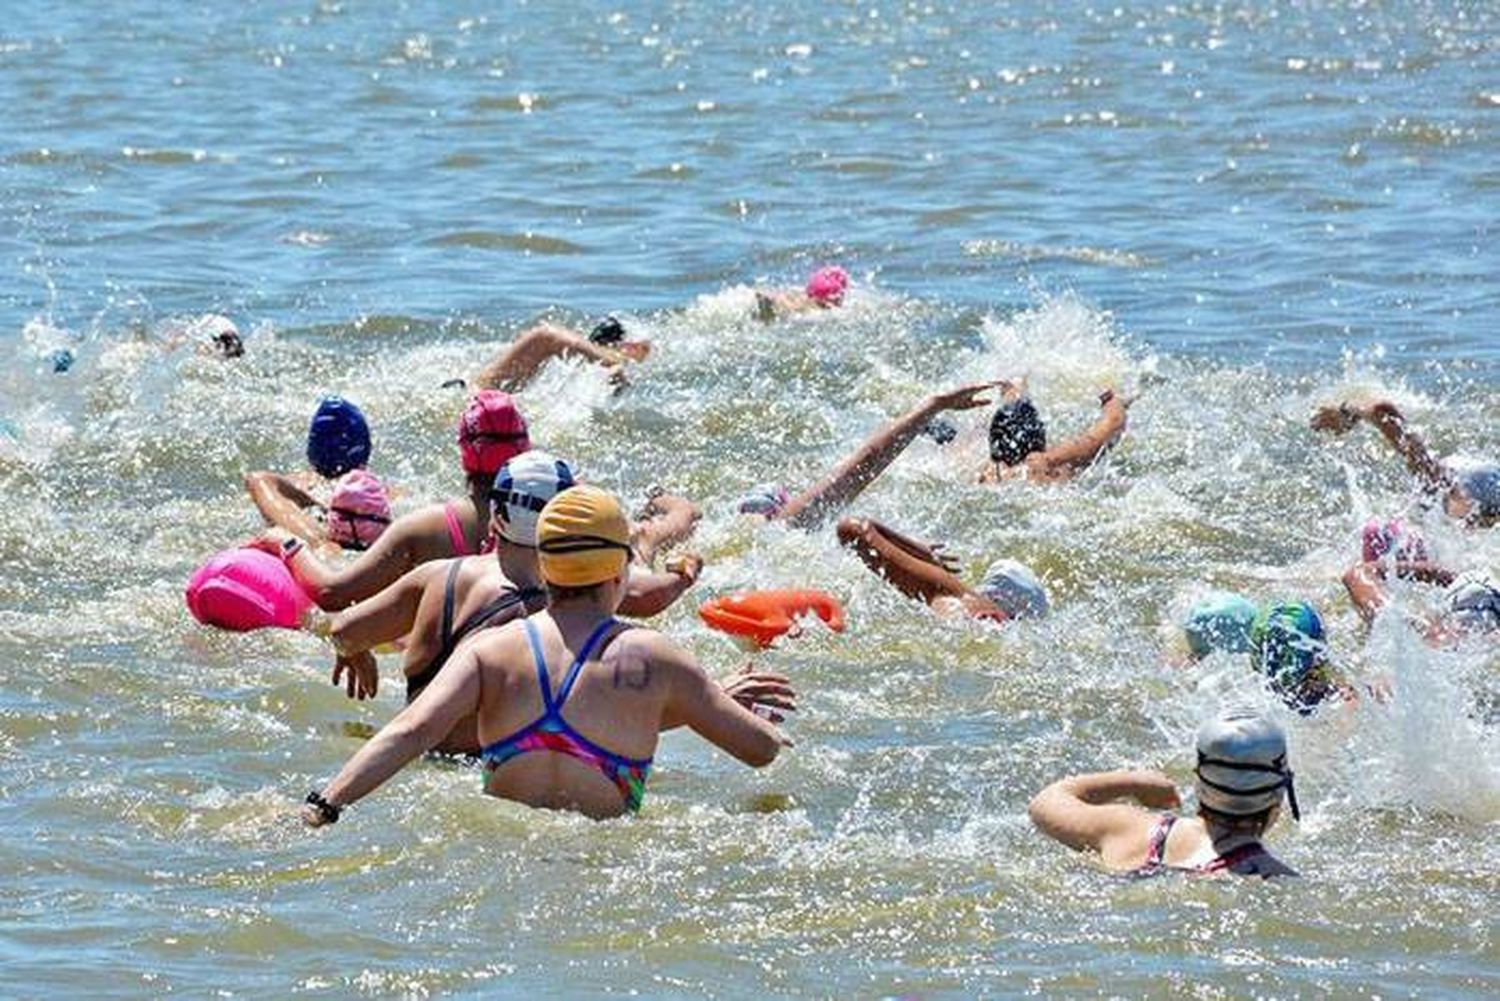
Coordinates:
[1288,647]
[1220,621]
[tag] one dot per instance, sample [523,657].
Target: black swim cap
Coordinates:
[609,331]
[1015,432]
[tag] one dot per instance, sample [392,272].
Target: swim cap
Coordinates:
[1220,621]
[221,333]
[491,432]
[582,537]
[1379,538]
[766,499]
[1242,764]
[1479,479]
[62,359]
[1013,587]
[826,286]
[522,488]
[338,439]
[359,510]
[608,331]
[1474,603]
[1288,647]
[1016,431]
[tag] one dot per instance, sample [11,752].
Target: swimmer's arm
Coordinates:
[670,519]
[771,691]
[385,616]
[911,574]
[281,502]
[519,363]
[809,508]
[697,701]
[418,728]
[1082,811]
[649,593]
[332,589]
[1076,454]
[1391,424]
[1363,581]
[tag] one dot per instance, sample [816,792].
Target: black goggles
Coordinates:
[344,512]
[580,544]
[1277,767]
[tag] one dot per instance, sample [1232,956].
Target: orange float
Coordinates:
[763,616]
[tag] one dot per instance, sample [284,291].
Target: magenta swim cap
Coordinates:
[1381,538]
[491,432]
[827,285]
[359,511]
[244,589]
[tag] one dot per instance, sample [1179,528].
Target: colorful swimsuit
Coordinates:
[1156,854]
[550,732]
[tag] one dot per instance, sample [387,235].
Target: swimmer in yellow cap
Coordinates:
[570,702]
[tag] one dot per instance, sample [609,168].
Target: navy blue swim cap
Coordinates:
[338,439]
[1016,431]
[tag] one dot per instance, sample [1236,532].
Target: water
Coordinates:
[1240,212]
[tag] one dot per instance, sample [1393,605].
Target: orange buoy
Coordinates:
[762,616]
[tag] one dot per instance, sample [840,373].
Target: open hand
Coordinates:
[965,397]
[768,694]
[359,674]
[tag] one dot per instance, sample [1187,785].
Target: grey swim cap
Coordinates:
[1479,479]
[1474,603]
[1013,587]
[1242,764]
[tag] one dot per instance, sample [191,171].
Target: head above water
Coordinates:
[1474,603]
[1393,538]
[608,331]
[522,488]
[826,286]
[1221,622]
[359,511]
[338,439]
[1288,647]
[491,432]
[222,335]
[1016,431]
[766,499]
[1479,482]
[1242,767]
[1012,586]
[582,538]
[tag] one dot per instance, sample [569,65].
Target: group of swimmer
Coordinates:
[504,599]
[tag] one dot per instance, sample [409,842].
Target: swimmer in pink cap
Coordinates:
[607,345]
[490,433]
[824,290]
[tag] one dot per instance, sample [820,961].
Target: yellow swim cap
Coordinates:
[582,537]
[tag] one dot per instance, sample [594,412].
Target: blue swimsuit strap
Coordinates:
[551,707]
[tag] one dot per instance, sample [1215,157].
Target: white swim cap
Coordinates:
[1013,587]
[1242,764]
[1474,603]
[1479,479]
[523,486]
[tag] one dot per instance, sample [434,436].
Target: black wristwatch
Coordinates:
[328,810]
[290,547]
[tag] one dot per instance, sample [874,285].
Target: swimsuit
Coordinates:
[511,597]
[1156,854]
[550,732]
[456,533]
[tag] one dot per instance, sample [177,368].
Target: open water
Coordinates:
[1238,210]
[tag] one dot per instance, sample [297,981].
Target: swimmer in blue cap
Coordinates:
[1289,648]
[1468,488]
[518,364]
[338,441]
[1219,622]
[1018,439]
[1008,590]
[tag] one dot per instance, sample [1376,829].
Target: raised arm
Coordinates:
[1365,583]
[696,700]
[669,519]
[811,507]
[519,363]
[1391,424]
[1081,812]
[1076,454]
[417,729]
[649,593]
[900,560]
[281,501]
[412,540]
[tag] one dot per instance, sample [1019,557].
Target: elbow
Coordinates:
[851,530]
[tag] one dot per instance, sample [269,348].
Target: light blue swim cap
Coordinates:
[1013,587]
[1479,479]
[1474,603]
[1220,621]
[767,499]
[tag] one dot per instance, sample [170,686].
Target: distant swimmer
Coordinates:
[490,433]
[1009,590]
[570,702]
[1470,604]
[338,449]
[849,478]
[1242,777]
[210,334]
[515,367]
[1468,488]
[825,289]
[1018,439]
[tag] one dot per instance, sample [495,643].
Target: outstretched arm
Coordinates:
[385,616]
[899,560]
[336,588]
[649,593]
[519,363]
[416,729]
[697,701]
[1077,453]
[281,501]
[1080,810]
[809,508]
[669,519]
[1391,424]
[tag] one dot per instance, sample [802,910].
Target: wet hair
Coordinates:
[1016,431]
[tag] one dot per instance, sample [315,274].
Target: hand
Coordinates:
[270,541]
[1156,791]
[312,816]
[687,566]
[964,397]
[359,674]
[1337,419]
[768,694]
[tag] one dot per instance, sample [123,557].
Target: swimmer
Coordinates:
[924,571]
[1242,775]
[1470,604]
[849,478]
[588,747]
[516,366]
[1468,488]
[824,290]
[490,433]
[1220,622]
[338,442]
[1289,649]
[211,334]
[1018,439]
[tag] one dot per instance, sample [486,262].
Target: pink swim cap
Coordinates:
[244,589]
[1379,538]
[359,510]
[827,285]
[491,432]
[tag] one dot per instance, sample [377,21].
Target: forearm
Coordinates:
[1084,449]
[281,504]
[673,520]
[850,477]
[649,593]
[1098,788]
[383,756]
[909,574]
[1412,449]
